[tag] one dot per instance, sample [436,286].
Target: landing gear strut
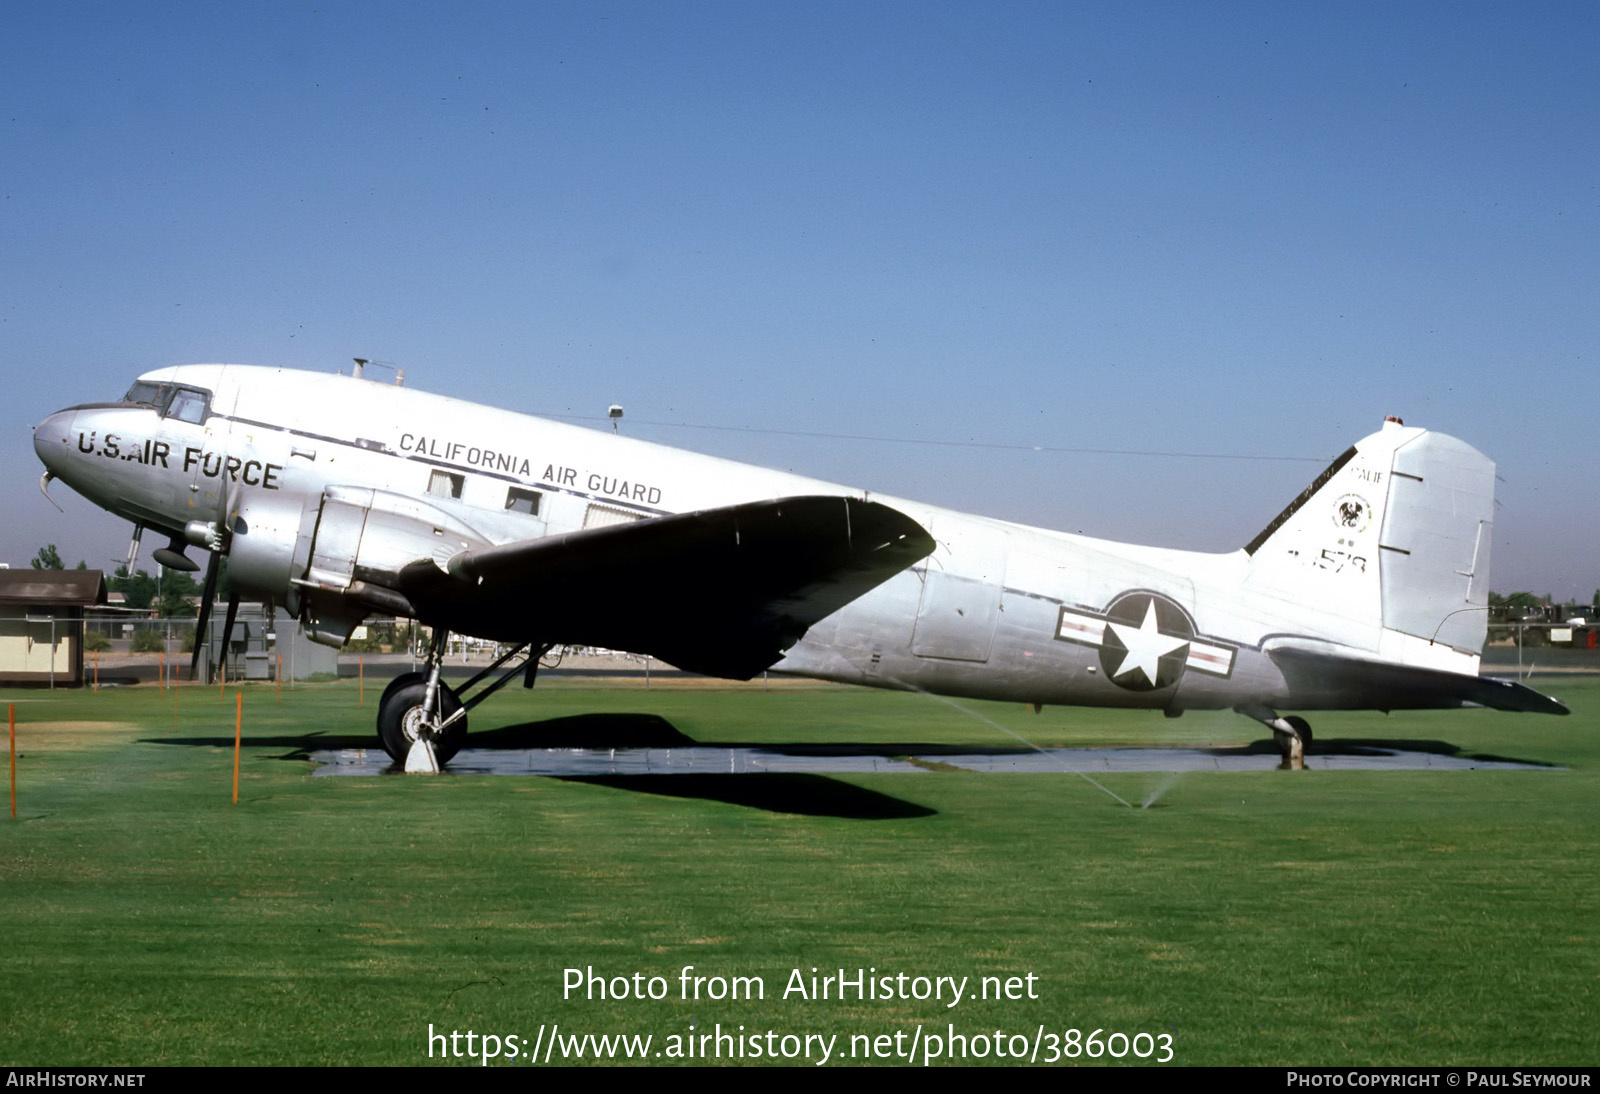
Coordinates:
[422,721]
[1298,736]
[1292,734]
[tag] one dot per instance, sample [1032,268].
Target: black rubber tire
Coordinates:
[402,696]
[399,682]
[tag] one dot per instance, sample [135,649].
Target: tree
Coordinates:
[176,589]
[48,559]
[138,591]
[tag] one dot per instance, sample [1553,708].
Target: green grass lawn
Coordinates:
[1444,917]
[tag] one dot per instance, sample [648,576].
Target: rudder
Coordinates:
[1434,549]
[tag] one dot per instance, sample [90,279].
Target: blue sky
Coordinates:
[1211,230]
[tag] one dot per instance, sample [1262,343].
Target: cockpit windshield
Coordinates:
[144,393]
[187,404]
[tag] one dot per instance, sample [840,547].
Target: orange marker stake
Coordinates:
[238,728]
[11,723]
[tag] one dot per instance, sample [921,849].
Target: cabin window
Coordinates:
[519,500]
[445,485]
[603,516]
[187,405]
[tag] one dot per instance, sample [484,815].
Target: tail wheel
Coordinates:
[401,718]
[1302,729]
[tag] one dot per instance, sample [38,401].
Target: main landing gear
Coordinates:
[1292,734]
[422,721]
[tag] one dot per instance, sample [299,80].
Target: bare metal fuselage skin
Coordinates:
[996,611]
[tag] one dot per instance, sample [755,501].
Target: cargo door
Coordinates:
[961,591]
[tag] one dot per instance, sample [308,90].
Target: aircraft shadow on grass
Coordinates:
[777,792]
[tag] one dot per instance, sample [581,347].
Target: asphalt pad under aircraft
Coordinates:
[842,760]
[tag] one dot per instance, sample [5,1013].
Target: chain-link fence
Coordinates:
[1549,647]
[139,648]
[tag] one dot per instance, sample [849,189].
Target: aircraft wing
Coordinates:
[1324,680]
[721,591]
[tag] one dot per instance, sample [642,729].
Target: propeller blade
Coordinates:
[229,516]
[227,632]
[206,596]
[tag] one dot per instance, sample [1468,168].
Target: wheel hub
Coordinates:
[414,723]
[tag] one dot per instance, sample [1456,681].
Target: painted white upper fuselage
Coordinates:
[998,610]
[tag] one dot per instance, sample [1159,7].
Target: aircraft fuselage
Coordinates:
[998,610]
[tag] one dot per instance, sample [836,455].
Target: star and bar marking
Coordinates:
[1146,642]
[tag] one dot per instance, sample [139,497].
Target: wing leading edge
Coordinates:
[721,591]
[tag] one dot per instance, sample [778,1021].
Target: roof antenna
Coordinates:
[363,362]
[615,414]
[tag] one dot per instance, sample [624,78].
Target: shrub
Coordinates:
[148,640]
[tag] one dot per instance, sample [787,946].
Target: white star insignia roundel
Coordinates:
[1146,642]
[1145,645]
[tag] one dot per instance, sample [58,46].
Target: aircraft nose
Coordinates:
[52,440]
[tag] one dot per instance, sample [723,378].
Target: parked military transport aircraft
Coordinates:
[337,497]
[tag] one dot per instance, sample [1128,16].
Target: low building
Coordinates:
[41,624]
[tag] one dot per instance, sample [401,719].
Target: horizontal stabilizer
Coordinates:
[1329,681]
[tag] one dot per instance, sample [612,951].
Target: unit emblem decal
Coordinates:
[1352,513]
[1146,642]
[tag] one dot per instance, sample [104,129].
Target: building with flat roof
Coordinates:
[41,624]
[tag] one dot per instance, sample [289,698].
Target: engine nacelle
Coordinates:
[313,558]
[271,546]
[369,535]
[363,539]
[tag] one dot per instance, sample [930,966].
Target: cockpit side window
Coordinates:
[188,405]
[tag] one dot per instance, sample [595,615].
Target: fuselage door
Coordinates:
[961,591]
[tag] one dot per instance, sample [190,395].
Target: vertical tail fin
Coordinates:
[1389,548]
